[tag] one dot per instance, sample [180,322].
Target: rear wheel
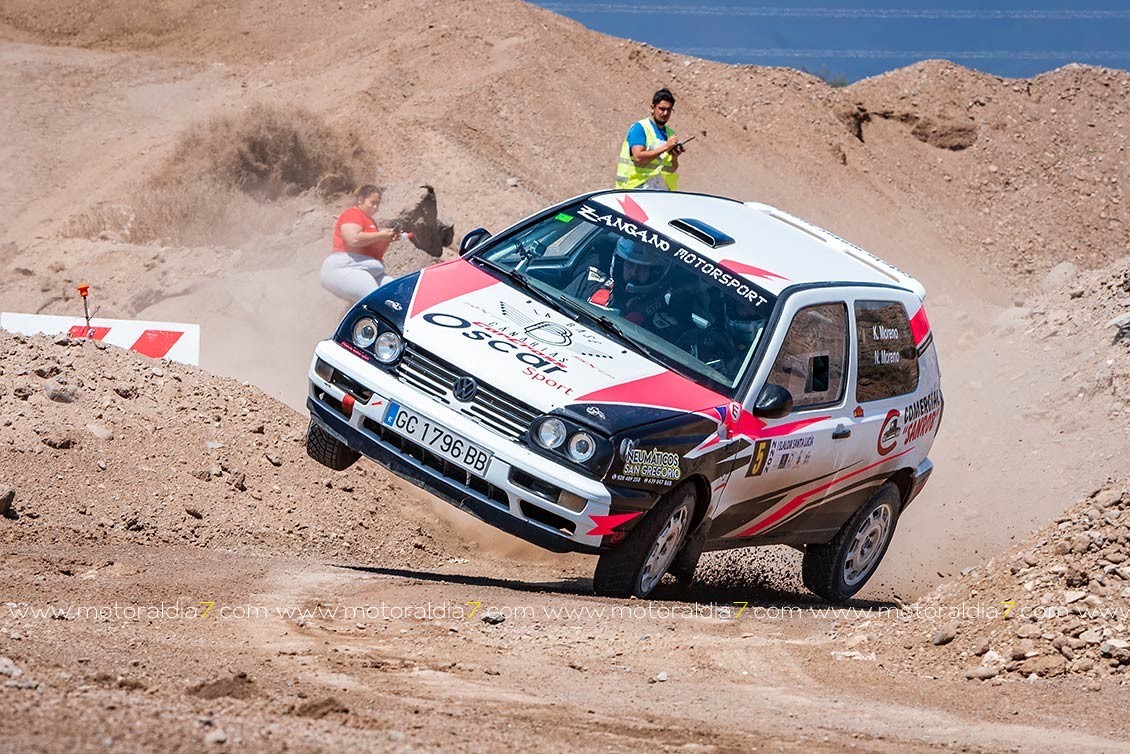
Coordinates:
[840,568]
[327,449]
[636,567]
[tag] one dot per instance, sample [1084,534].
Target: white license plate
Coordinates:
[435,438]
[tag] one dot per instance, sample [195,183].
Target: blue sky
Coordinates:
[860,39]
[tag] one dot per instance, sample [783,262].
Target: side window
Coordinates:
[888,360]
[810,364]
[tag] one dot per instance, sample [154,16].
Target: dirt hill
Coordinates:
[103,446]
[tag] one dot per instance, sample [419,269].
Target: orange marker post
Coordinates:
[84,291]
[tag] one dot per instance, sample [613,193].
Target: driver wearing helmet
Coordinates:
[743,321]
[635,287]
[724,345]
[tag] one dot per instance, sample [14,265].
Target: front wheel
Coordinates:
[636,566]
[327,449]
[840,568]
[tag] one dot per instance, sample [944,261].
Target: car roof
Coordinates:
[767,245]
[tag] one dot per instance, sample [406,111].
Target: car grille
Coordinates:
[443,467]
[492,408]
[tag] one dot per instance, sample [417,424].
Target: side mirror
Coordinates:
[773,403]
[473,239]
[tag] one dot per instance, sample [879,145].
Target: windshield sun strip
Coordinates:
[714,275]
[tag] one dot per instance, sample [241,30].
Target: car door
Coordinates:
[786,465]
[885,381]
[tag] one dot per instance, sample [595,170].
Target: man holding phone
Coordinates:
[649,156]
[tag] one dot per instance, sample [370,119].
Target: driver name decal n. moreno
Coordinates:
[699,264]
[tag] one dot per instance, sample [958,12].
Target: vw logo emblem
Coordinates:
[464,389]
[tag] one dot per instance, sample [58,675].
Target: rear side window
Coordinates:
[810,364]
[888,360]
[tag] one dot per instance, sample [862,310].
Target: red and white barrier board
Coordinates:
[160,340]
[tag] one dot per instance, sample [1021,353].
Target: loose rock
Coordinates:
[982,673]
[1058,277]
[60,392]
[216,737]
[58,441]
[8,668]
[945,634]
[100,431]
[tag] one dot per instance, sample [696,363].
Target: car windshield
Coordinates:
[642,287]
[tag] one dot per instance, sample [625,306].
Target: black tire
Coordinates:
[826,570]
[686,562]
[327,449]
[621,572]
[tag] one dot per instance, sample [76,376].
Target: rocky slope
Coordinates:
[1056,604]
[105,447]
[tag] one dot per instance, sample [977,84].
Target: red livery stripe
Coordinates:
[740,268]
[664,390]
[800,500]
[633,210]
[443,282]
[606,524]
[919,326]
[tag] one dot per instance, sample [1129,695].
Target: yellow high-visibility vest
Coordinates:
[630,175]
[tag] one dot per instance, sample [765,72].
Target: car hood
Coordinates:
[521,346]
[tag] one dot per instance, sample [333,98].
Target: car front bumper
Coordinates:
[503,495]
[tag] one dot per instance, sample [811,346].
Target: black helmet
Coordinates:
[632,252]
[742,318]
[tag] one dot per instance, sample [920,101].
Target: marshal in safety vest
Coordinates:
[629,175]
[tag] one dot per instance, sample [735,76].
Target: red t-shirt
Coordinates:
[354,215]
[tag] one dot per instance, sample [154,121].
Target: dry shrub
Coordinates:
[267,152]
[216,186]
[188,212]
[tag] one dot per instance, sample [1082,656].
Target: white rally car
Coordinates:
[646,375]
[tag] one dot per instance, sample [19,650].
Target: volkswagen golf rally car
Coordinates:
[643,376]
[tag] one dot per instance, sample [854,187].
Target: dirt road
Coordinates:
[303,656]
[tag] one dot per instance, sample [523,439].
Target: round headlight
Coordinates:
[550,433]
[364,332]
[581,447]
[389,346]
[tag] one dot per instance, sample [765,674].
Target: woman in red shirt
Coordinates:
[354,268]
